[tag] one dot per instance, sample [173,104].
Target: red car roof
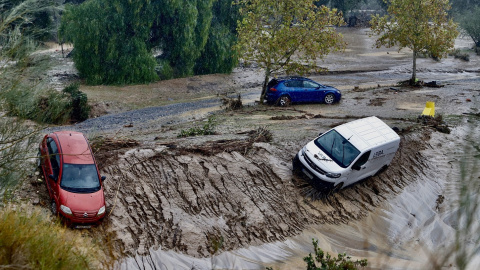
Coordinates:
[74,147]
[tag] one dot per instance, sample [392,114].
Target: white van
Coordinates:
[348,153]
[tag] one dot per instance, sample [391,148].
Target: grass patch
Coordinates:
[207,129]
[29,240]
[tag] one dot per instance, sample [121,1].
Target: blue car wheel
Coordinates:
[329,98]
[284,101]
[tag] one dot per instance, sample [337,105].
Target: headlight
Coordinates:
[101,210]
[333,175]
[303,150]
[65,209]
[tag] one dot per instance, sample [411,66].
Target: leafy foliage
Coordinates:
[114,40]
[40,105]
[78,102]
[342,5]
[469,21]
[180,29]
[207,129]
[327,262]
[422,26]
[15,141]
[30,241]
[110,40]
[460,6]
[218,55]
[287,36]
[17,29]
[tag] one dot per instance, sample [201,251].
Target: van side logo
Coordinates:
[378,154]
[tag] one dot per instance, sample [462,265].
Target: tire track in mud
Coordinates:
[189,201]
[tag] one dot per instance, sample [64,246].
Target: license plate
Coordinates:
[307,174]
[83,226]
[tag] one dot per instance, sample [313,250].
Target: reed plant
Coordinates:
[30,240]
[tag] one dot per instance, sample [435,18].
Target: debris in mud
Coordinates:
[435,122]
[214,147]
[473,114]
[376,102]
[102,147]
[439,201]
[417,83]
[291,117]
[232,104]
[433,84]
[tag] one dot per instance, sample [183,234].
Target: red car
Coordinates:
[73,181]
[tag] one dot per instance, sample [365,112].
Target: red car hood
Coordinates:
[82,201]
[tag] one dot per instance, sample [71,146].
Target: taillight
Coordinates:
[273,89]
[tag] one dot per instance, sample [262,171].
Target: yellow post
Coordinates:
[429,109]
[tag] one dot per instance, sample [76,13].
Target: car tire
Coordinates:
[53,208]
[337,188]
[284,101]
[329,99]
[384,168]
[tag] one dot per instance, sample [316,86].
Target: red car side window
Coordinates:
[54,157]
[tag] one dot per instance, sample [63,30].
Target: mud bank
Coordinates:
[406,218]
[200,203]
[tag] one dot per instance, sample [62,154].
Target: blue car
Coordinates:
[286,90]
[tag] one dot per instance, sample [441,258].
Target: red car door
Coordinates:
[52,168]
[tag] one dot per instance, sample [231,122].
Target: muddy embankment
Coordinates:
[225,195]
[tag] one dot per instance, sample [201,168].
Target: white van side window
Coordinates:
[362,160]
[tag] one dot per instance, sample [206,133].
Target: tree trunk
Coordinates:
[414,71]
[264,87]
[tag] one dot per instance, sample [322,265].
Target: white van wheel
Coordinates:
[338,187]
[384,168]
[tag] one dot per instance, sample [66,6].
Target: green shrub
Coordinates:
[327,262]
[79,102]
[46,105]
[164,70]
[207,129]
[40,105]
[460,55]
[29,240]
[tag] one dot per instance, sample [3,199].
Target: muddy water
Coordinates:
[406,218]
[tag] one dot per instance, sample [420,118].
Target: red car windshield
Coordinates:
[80,178]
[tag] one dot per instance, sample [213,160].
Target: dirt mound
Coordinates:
[194,201]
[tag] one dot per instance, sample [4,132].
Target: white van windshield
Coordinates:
[337,148]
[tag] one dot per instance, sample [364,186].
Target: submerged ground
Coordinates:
[229,200]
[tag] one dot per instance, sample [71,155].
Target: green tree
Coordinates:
[286,36]
[180,30]
[16,46]
[110,40]
[459,6]
[344,6]
[218,55]
[423,26]
[470,24]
